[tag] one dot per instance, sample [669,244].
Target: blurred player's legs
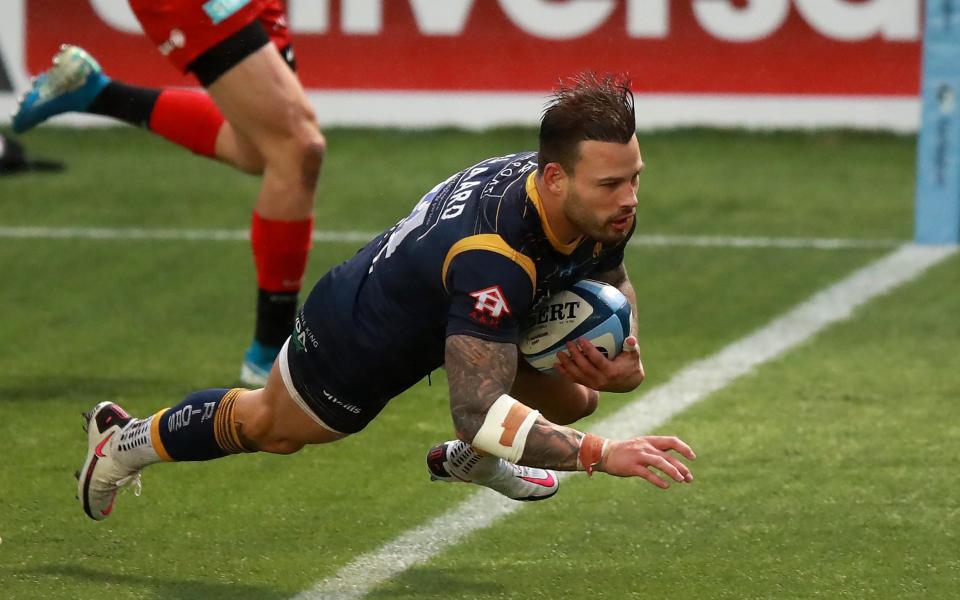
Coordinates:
[189,118]
[206,425]
[71,84]
[228,47]
[256,118]
[263,100]
[76,83]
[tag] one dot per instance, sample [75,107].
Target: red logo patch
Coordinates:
[490,306]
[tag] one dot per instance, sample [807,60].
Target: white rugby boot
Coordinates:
[457,461]
[102,475]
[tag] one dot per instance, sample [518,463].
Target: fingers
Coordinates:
[640,457]
[652,478]
[567,367]
[576,363]
[657,457]
[584,363]
[632,346]
[668,442]
[668,465]
[683,469]
[591,352]
[586,356]
[660,462]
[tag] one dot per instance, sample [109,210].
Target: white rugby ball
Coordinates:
[590,309]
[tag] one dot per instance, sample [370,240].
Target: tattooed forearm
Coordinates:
[479,372]
[551,446]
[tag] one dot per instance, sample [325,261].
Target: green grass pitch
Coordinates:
[829,473]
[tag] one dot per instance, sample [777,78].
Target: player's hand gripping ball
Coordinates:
[590,309]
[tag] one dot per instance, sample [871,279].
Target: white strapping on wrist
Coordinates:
[505,428]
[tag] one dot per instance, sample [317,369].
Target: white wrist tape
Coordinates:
[505,428]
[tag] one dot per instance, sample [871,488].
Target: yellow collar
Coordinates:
[534,195]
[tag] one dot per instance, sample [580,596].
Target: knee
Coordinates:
[258,431]
[302,144]
[308,141]
[312,151]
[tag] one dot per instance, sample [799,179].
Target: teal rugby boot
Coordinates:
[71,84]
[257,362]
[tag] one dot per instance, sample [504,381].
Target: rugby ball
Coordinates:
[589,309]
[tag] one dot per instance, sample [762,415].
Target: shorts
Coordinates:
[185,29]
[330,410]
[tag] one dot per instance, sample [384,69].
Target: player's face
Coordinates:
[601,198]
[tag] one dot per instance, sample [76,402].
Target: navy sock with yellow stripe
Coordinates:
[202,427]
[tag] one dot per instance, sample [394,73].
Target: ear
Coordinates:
[555,178]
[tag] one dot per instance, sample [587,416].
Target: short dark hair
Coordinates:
[585,107]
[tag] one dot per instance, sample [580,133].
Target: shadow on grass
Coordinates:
[162,587]
[40,388]
[436,582]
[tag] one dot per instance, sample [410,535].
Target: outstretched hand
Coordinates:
[638,456]
[585,364]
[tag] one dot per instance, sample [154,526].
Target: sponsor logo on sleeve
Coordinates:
[490,307]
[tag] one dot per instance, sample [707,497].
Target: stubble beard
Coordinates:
[589,224]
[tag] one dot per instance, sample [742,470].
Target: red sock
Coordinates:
[280,251]
[188,118]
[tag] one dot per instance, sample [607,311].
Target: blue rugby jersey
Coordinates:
[474,256]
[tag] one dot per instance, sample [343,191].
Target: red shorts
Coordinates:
[185,29]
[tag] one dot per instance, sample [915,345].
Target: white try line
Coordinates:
[362,237]
[651,410]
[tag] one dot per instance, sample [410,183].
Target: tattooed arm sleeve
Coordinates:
[479,372]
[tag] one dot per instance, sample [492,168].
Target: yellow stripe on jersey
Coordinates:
[565,249]
[155,437]
[491,242]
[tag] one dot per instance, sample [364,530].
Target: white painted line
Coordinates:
[217,235]
[758,242]
[123,233]
[649,411]
[482,110]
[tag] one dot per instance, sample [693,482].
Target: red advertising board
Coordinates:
[750,47]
